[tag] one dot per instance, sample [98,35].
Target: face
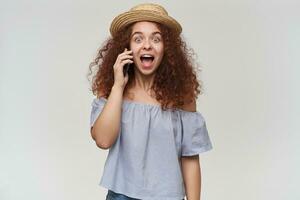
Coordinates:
[147,46]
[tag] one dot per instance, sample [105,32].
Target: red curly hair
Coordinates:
[175,82]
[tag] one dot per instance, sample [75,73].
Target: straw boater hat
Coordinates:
[144,12]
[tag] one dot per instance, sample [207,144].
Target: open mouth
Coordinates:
[147,59]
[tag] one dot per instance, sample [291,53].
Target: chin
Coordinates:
[146,71]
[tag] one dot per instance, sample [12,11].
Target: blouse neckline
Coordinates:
[141,103]
[128,102]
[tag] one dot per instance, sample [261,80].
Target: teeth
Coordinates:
[147,56]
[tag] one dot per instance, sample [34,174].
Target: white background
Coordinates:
[249,52]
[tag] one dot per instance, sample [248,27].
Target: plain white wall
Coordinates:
[249,51]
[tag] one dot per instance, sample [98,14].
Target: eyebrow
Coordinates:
[137,32]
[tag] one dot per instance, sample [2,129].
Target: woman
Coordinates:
[147,118]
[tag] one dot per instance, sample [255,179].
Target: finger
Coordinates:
[125,57]
[123,62]
[126,51]
[126,77]
[121,55]
[124,54]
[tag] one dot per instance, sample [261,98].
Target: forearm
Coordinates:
[107,125]
[192,177]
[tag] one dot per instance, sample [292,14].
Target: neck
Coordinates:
[143,82]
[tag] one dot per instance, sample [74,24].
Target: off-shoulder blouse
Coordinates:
[144,162]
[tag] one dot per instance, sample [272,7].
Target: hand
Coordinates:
[122,60]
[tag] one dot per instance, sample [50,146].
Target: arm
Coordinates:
[192,176]
[191,167]
[106,127]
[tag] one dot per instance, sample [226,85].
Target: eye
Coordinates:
[156,39]
[137,39]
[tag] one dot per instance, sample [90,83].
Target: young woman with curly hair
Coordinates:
[145,110]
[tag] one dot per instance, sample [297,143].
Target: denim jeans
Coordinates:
[111,195]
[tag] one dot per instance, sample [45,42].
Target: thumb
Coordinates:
[126,77]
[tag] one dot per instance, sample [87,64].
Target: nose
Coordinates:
[147,44]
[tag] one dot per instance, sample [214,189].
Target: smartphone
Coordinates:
[126,67]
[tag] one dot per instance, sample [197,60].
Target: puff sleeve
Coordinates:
[97,106]
[195,138]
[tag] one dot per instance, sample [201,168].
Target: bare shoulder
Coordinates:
[189,106]
[100,94]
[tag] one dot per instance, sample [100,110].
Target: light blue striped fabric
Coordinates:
[144,162]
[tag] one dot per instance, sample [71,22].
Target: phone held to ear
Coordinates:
[126,67]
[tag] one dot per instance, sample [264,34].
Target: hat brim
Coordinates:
[130,17]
